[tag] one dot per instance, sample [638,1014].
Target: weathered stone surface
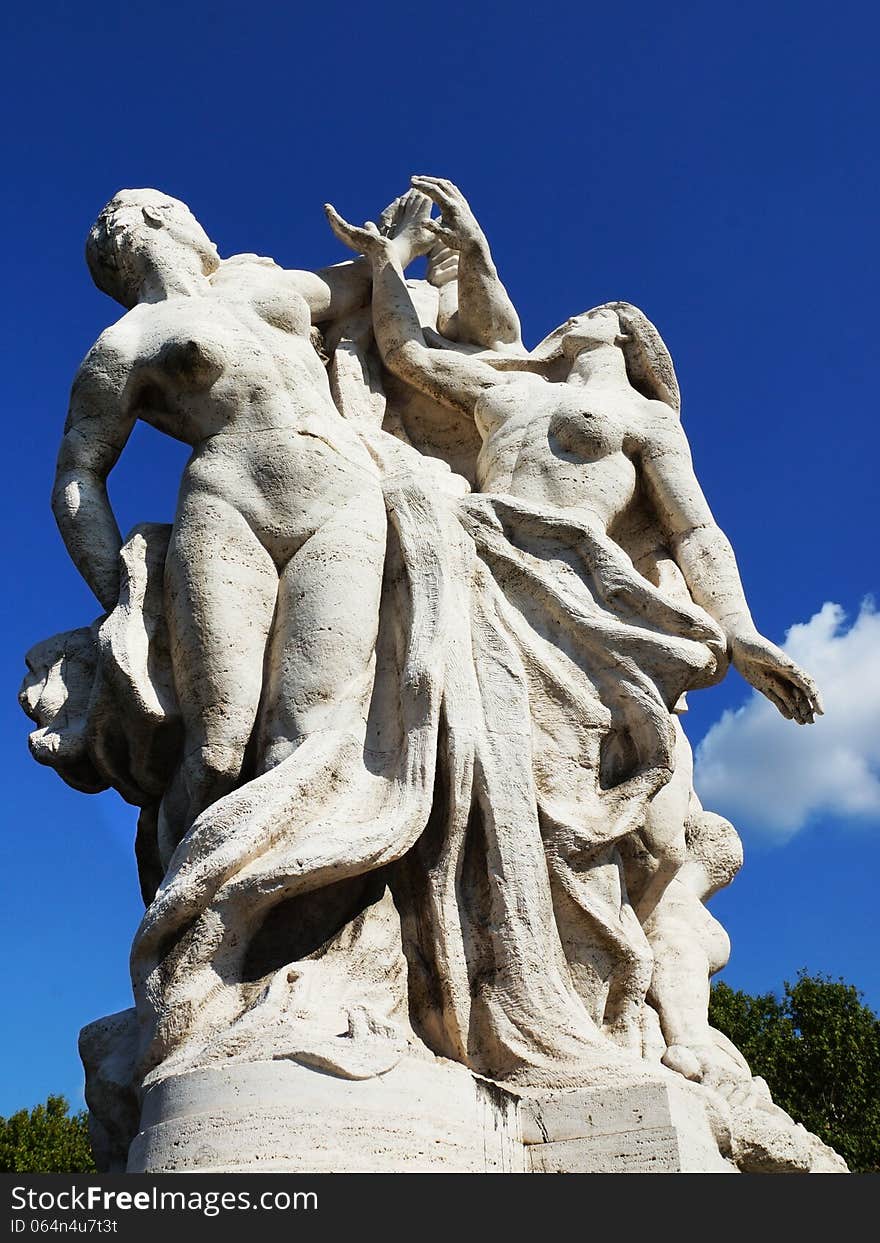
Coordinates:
[640,1126]
[423,1116]
[397,694]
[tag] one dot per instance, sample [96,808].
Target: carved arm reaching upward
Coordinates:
[486,315]
[455,380]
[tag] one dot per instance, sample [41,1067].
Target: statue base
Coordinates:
[638,1128]
[281,1117]
[422,1116]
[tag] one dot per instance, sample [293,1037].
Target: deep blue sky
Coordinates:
[715,164]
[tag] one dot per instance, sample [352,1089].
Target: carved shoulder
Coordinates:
[274,293]
[105,371]
[657,430]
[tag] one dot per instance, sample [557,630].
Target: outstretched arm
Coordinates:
[486,315]
[708,564]
[95,433]
[453,379]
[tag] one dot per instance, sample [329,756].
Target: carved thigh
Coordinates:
[320,665]
[220,586]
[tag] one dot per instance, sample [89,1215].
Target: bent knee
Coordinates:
[216,764]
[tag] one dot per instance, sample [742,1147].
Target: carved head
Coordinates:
[648,364]
[139,232]
[601,326]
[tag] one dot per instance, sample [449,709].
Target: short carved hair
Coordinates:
[118,237]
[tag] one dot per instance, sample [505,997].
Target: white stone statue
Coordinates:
[397,696]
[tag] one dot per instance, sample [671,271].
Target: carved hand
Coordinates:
[777,676]
[442,265]
[406,221]
[459,229]
[402,228]
[366,240]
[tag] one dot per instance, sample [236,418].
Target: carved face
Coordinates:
[598,327]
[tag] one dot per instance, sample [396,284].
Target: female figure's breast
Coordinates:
[216,365]
[562,453]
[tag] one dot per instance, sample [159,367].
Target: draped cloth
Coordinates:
[519,725]
[563,665]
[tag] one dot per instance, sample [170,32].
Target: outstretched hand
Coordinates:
[366,240]
[777,677]
[402,228]
[407,222]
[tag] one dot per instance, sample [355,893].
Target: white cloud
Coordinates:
[768,774]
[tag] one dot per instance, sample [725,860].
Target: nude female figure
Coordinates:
[589,447]
[280,522]
[583,446]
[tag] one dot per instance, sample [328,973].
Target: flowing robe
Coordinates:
[450,876]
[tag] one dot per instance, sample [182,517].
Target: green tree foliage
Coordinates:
[818,1047]
[46,1140]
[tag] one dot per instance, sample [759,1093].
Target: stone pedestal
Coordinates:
[422,1116]
[639,1128]
[280,1117]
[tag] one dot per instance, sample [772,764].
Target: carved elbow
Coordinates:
[67,497]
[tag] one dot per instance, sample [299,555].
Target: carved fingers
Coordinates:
[406,221]
[798,690]
[776,676]
[388,219]
[442,265]
[459,226]
[366,240]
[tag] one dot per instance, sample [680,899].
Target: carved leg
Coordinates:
[320,666]
[220,586]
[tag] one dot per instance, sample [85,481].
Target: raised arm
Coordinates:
[455,380]
[95,433]
[486,315]
[707,561]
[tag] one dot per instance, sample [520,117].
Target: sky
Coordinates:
[715,164]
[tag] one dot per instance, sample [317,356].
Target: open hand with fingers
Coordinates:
[442,265]
[777,677]
[365,240]
[407,221]
[402,227]
[458,229]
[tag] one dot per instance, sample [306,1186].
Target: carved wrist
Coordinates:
[476,249]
